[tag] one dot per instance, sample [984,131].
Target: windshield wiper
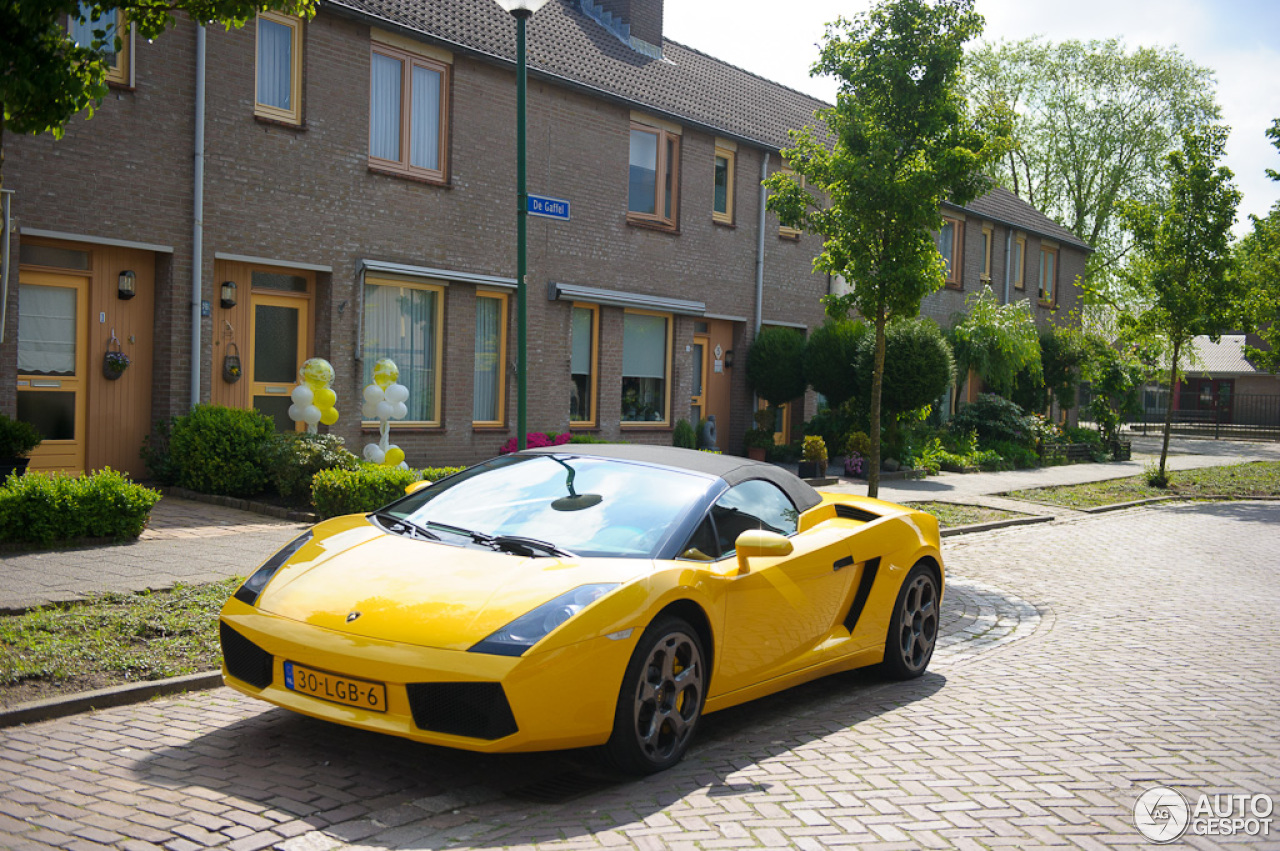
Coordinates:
[400,526]
[522,546]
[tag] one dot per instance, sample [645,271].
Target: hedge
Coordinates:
[367,488]
[49,508]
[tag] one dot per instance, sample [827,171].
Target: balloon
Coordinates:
[401,410]
[317,372]
[311,415]
[370,410]
[397,393]
[324,398]
[295,413]
[302,395]
[328,416]
[385,372]
[394,456]
[385,410]
[374,453]
[372,394]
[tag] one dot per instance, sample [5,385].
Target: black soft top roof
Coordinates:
[731,468]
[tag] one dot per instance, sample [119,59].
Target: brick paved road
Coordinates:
[1139,650]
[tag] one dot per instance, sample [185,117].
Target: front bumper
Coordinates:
[562,698]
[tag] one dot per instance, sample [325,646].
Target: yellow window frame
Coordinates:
[120,71]
[988,237]
[955,263]
[593,377]
[292,115]
[730,158]
[501,298]
[1020,263]
[784,231]
[666,380]
[436,420]
[408,60]
[667,170]
[1047,292]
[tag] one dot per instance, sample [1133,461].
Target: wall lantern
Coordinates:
[228,296]
[728,358]
[127,285]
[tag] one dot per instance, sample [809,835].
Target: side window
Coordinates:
[703,545]
[86,31]
[279,72]
[754,504]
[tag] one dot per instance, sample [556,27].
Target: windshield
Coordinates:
[588,506]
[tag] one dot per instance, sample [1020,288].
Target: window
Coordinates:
[987,238]
[405,322]
[279,78]
[1048,274]
[654,178]
[783,230]
[582,365]
[950,241]
[408,113]
[645,344]
[1019,261]
[84,32]
[722,191]
[753,504]
[491,359]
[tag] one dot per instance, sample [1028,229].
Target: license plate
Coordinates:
[326,686]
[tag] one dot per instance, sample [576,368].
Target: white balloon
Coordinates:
[302,396]
[397,393]
[311,415]
[385,410]
[295,413]
[375,454]
[369,449]
[373,394]
[370,410]
[401,411]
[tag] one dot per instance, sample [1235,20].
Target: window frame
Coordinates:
[1020,267]
[955,263]
[666,381]
[1047,249]
[988,241]
[120,71]
[439,289]
[409,60]
[292,115]
[593,377]
[730,156]
[665,171]
[785,232]
[504,302]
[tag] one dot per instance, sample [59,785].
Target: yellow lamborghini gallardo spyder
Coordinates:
[584,595]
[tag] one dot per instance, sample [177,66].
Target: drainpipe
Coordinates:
[197,236]
[1008,254]
[5,194]
[764,195]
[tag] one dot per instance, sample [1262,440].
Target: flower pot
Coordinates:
[16,466]
[808,469]
[755,453]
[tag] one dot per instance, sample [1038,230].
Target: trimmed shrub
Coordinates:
[155,453]
[775,365]
[995,418]
[918,365]
[831,360]
[51,508]
[17,438]
[367,488]
[219,450]
[684,436]
[293,458]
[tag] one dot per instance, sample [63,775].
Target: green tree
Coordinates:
[1116,373]
[775,365]
[1182,270]
[830,359]
[46,78]
[1093,121]
[899,141]
[997,341]
[1259,256]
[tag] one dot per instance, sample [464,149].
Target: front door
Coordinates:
[698,398]
[53,365]
[277,350]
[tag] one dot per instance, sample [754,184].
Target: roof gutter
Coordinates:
[1071,239]
[197,226]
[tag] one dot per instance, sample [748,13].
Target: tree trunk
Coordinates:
[877,383]
[1168,412]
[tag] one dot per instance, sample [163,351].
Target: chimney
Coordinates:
[643,16]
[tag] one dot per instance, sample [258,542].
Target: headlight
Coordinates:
[252,587]
[527,630]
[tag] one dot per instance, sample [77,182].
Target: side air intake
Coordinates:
[850,512]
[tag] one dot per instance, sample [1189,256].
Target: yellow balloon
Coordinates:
[394,456]
[325,398]
[317,372]
[386,373]
[328,416]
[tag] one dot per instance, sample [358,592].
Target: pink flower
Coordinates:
[536,440]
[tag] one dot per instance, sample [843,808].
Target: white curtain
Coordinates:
[580,360]
[275,64]
[46,330]
[488,367]
[946,241]
[644,346]
[384,108]
[424,134]
[400,323]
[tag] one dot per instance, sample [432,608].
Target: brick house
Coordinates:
[357,202]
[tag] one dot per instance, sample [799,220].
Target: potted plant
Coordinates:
[114,363]
[757,441]
[17,439]
[813,458]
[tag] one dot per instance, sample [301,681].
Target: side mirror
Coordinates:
[413,487]
[758,542]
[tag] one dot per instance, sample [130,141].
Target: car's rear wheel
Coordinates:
[913,629]
[661,699]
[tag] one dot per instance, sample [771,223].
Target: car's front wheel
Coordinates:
[661,699]
[913,629]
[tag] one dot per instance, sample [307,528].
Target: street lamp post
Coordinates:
[522,10]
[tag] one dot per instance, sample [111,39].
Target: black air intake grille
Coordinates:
[245,660]
[477,710]
[850,513]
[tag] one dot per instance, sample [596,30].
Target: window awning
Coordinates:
[388,268]
[557,291]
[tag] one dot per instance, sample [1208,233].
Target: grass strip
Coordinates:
[952,514]
[1240,481]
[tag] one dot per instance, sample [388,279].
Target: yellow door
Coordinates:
[277,349]
[53,363]
[698,399]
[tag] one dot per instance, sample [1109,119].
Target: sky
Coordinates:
[1238,39]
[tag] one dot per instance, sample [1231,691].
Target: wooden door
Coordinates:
[53,363]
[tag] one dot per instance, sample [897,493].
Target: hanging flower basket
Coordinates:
[231,368]
[114,363]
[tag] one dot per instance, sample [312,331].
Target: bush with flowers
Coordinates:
[536,440]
